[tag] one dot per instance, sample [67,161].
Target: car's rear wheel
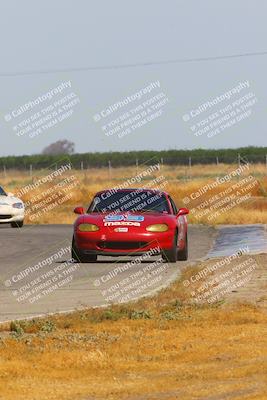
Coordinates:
[18,224]
[183,254]
[82,258]
[171,255]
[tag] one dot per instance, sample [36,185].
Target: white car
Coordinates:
[11,209]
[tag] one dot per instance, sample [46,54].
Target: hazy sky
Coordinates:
[42,36]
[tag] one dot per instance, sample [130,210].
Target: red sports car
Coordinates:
[130,222]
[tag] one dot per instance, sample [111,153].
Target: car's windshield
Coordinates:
[2,192]
[134,201]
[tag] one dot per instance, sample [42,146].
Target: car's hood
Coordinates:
[8,200]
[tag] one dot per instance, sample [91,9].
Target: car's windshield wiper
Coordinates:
[151,210]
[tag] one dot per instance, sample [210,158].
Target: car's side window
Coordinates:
[175,211]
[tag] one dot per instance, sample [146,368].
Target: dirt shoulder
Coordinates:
[229,280]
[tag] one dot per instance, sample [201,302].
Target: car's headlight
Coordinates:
[18,205]
[88,228]
[157,228]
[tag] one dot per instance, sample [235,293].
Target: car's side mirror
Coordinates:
[79,210]
[182,211]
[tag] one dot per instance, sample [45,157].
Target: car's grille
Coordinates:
[5,216]
[122,245]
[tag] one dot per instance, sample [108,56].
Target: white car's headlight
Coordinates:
[18,205]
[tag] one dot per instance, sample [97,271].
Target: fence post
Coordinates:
[190,167]
[109,169]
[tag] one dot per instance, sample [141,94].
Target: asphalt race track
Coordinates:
[38,277]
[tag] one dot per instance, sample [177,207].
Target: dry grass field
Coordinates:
[158,348]
[237,199]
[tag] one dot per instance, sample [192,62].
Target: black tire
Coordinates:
[90,258]
[183,254]
[171,255]
[18,224]
[82,258]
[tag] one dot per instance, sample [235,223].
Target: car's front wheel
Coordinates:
[82,258]
[171,255]
[18,224]
[183,254]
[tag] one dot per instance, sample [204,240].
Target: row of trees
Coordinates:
[116,159]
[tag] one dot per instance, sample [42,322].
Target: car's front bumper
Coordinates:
[111,244]
[10,214]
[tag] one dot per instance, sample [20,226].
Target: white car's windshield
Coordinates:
[2,192]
